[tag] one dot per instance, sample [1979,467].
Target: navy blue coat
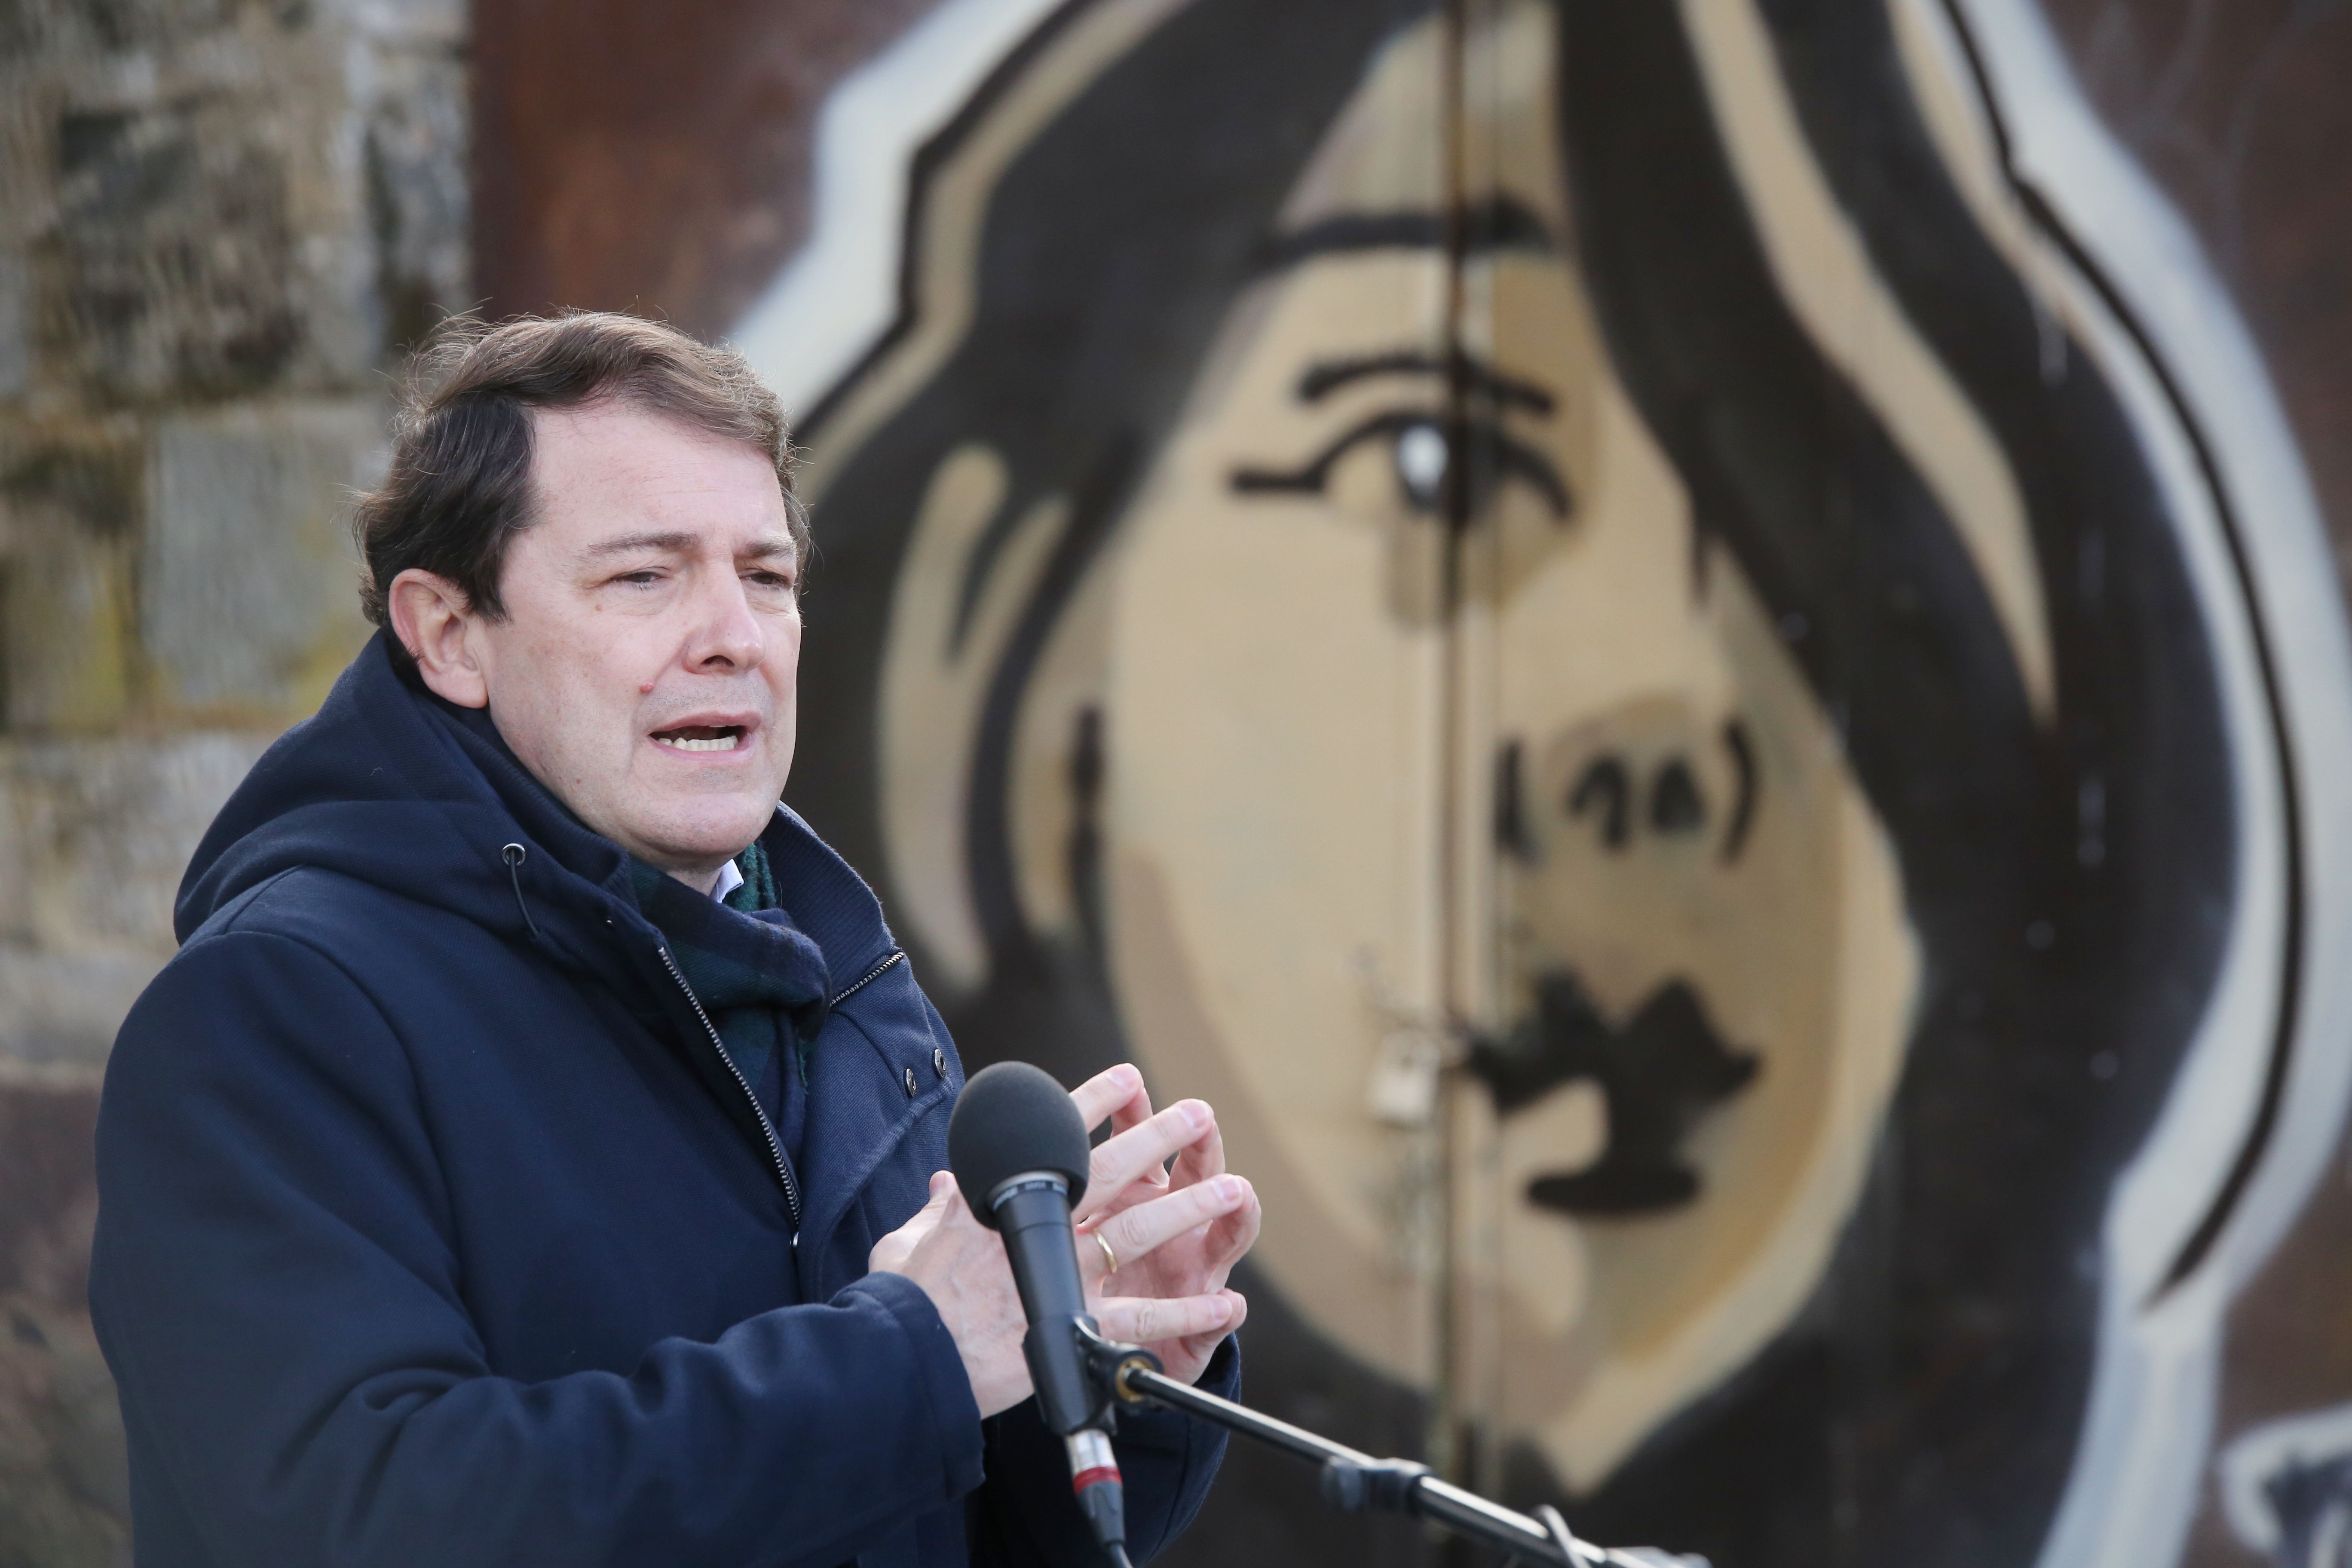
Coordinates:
[434,1229]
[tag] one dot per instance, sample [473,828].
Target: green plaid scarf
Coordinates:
[759,976]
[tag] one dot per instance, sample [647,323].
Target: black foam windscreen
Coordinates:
[1012,1118]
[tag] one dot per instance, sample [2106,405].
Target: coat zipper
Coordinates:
[866,978]
[767,1129]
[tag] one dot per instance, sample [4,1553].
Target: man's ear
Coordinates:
[435,622]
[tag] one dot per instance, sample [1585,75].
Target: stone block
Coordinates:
[249,602]
[169,270]
[94,837]
[63,1009]
[64,1466]
[69,503]
[65,634]
[218,201]
[89,477]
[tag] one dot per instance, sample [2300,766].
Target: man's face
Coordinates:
[645,671]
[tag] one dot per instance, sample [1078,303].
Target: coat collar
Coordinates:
[390,786]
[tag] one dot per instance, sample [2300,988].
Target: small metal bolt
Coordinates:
[940,1062]
[911,1083]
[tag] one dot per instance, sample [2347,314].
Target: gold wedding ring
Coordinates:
[1111,1258]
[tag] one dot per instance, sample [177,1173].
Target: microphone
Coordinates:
[1018,1149]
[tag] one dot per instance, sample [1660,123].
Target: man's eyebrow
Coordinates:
[627,542]
[1499,223]
[1468,369]
[761,549]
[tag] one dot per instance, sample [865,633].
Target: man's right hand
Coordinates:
[960,1264]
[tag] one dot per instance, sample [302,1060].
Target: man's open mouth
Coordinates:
[700,737]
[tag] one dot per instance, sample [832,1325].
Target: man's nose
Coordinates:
[726,633]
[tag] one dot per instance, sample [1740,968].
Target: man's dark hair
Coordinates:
[458,489]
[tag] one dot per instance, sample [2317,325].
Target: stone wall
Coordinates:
[218,220]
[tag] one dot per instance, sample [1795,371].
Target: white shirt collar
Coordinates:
[731,876]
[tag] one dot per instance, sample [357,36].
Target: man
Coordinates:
[533,1153]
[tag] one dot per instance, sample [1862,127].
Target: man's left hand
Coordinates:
[1174,1232]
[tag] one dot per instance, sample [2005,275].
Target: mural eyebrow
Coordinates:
[1499,223]
[1470,370]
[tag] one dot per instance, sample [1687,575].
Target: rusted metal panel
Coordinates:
[654,158]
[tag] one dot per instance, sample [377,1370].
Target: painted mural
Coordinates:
[1676,652]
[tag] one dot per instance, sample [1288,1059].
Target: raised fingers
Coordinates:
[1147,1319]
[1202,1157]
[1116,1094]
[1237,1313]
[1231,1238]
[1141,1152]
[1135,1233]
[1195,1349]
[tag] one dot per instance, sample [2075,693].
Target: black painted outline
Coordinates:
[922,169]
[2044,217]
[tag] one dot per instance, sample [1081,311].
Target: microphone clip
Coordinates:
[1107,1363]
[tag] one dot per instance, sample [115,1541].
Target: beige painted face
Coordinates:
[1302,749]
[1303,727]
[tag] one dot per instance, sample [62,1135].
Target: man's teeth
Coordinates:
[685,744]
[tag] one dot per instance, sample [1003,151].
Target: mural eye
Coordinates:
[1421,459]
[1742,749]
[1422,453]
[1675,806]
[1603,787]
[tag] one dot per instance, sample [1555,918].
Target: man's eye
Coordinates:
[642,579]
[1425,451]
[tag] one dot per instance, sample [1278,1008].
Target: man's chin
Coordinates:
[704,839]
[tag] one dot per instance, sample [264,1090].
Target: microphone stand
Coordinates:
[1356,1482]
